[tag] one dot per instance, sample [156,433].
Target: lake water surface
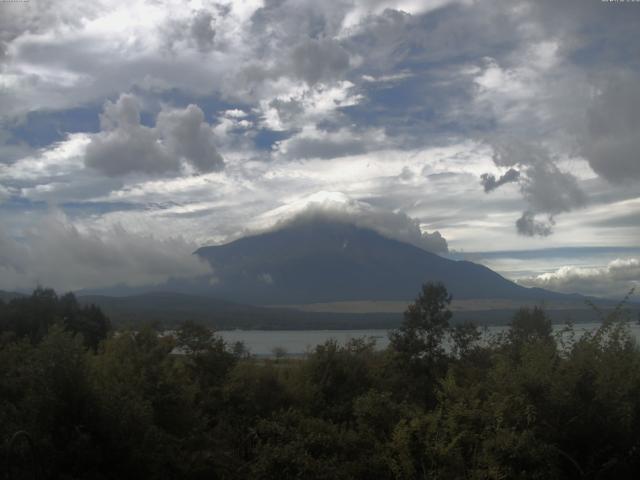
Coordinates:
[299,342]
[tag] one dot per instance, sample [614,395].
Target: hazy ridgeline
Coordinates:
[94,403]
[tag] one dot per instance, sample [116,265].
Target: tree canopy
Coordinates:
[81,401]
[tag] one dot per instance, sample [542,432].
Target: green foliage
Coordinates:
[426,322]
[530,325]
[418,356]
[336,375]
[32,317]
[440,402]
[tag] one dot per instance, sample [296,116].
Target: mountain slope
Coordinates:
[325,261]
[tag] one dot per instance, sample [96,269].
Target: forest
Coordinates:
[81,400]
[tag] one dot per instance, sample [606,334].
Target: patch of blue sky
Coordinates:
[394,107]
[211,105]
[264,139]
[42,128]
[16,204]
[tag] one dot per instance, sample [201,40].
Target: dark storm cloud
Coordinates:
[319,60]
[196,32]
[311,60]
[528,225]
[289,21]
[490,183]
[550,190]
[547,189]
[612,145]
[287,109]
[594,33]
[202,31]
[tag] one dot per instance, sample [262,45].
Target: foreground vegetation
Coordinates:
[91,403]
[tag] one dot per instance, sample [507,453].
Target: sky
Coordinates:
[499,131]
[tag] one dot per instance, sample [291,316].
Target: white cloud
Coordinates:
[336,206]
[55,252]
[613,280]
[125,145]
[188,136]
[373,7]
[297,105]
[313,143]
[382,100]
[58,160]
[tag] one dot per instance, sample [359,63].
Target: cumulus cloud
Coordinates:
[125,145]
[613,280]
[187,135]
[338,207]
[490,183]
[55,252]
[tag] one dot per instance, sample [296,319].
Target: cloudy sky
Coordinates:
[505,132]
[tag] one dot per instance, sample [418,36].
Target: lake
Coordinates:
[299,342]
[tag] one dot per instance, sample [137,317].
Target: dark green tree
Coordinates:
[530,325]
[418,353]
[426,322]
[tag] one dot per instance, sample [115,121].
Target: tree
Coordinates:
[464,338]
[418,354]
[426,322]
[279,353]
[529,325]
[89,321]
[205,352]
[193,338]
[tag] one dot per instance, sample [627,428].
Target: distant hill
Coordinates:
[169,309]
[7,296]
[172,308]
[326,261]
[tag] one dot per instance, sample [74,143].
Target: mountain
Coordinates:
[316,261]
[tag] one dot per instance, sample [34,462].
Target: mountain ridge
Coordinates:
[327,261]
